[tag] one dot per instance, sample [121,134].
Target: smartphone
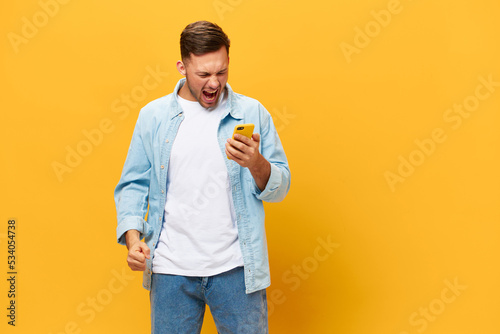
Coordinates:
[243,129]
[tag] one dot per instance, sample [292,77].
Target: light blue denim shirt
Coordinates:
[144,178]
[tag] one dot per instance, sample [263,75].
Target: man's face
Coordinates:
[206,77]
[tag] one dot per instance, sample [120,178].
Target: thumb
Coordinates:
[146,250]
[256,137]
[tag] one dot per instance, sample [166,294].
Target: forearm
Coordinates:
[261,172]
[132,237]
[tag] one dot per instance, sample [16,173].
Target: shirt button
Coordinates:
[166,141]
[162,191]
[162,167]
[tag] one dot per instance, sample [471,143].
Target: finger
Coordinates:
[248,147]
[252,142]
[242,139]
[238,155]
[137,257]
[230,152]
[136,265]
[229,155]
[235,146]
[236,142]
[256,137]
[137,254]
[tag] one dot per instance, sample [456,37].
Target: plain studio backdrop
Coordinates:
[389,114]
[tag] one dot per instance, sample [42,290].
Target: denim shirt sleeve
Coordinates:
[271,148]
[132,192]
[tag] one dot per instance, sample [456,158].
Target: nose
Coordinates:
[214,82]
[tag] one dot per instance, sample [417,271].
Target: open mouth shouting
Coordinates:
[210,96]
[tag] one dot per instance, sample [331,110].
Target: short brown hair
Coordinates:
[202,37]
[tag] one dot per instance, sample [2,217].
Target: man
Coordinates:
[204,238]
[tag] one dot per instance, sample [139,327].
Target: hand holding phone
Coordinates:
[244,129]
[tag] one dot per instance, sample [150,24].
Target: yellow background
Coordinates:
[346,120]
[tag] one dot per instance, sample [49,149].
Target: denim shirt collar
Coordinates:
[232,107]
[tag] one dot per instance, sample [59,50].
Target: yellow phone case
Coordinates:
[244,129]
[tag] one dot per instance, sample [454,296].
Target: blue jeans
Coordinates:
[178,304]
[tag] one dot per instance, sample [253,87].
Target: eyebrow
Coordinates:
[206,73]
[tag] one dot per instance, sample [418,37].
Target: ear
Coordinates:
[181,68]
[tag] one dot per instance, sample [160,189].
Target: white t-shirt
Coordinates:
[199,236]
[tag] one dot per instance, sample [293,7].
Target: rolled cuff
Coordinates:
[130,223]
[271,192]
